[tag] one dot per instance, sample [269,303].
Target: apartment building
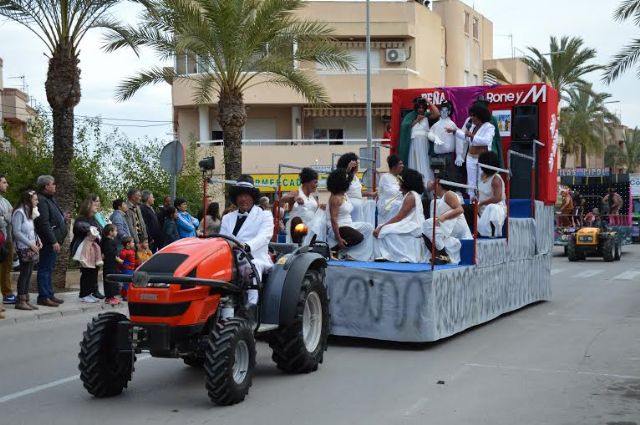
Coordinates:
[413,45]
[15,113]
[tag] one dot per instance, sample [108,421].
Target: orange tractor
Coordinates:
[189,301]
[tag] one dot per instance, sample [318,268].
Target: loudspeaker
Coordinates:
[521,170]
[524,122]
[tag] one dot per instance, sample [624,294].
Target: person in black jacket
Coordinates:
[170,228]
[154,231]
[86,219]
[111,261]
[51,227]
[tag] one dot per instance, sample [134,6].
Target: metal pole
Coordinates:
[174,175]
[369,122]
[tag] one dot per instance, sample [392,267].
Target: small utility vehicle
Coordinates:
[188,301]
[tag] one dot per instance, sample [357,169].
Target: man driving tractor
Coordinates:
[251,225]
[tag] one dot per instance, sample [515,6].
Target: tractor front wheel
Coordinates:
[230,359]
[300,346]
[104,371]
[618,253]
[609,249]
[573,252]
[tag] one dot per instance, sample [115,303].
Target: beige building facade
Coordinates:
[445,44]
[15,113]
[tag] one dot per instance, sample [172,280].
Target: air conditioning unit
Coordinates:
[395,55]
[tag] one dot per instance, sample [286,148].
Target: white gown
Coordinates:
[389,197]
[491,213]
[364,250]
[419,150]
[448,232]
[355,195]
[402,241]
[311,215]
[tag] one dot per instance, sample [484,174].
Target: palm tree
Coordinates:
[633,150]
[584,123]
[630,54]
[61,25]
[237,44]
[567,63]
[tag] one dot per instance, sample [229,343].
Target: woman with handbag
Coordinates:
[27,244]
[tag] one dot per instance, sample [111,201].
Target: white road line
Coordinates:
[628,275]
[588,273]
[533,369]
[556,271]
[38,388]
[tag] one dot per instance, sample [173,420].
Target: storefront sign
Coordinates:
[288,182]
[634,180]
[584,172]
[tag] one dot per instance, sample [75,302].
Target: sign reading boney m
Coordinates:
[535,94]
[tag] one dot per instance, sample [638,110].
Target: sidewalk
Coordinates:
[72,304]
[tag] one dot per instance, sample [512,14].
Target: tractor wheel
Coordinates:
[193,361]
[609,249]
[618,253]
[299,347]
[573,252]
[230,359]
[566,251]
[104,371]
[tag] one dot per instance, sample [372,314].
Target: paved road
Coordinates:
[573,360]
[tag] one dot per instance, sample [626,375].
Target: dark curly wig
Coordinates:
[338,181]
[412,180]
[345,159]
[393,160]
[308,175]
[489,158]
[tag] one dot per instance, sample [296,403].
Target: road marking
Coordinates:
[416,407]
[556,271]
[38,388]
[533,369]
[588,273]
[628,275]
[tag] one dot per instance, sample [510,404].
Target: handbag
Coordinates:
[27,255]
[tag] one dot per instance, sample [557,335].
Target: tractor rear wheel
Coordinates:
[573,252]
[104,371]
[609,249]
[300,346]
[618,253]
[230,358]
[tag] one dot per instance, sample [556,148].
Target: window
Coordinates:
[359,56]
[217,135]
[329,134]
[466,22]
[476,25]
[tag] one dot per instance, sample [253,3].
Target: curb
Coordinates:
[47,313]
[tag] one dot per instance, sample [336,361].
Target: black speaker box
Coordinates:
[521,170]
[524,123]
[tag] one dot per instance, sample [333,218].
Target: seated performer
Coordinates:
[389,195]
[304,208]
[349,162]
[449,221]
[479,136]
[354,239]
[251,225]
[492,205]
[400,238]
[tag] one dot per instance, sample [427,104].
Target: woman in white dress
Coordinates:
[389,195]
[419,149]
[304,208]
[491,198]
[450,223]
[478,133]
[355,192]
[400,238]
[352,239]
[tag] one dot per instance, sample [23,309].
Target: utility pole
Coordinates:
[369,124]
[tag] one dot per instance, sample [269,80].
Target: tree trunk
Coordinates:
[563,159]
[583,157]
[63,94]
[232,116]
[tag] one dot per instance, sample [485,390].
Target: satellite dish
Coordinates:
[172,157]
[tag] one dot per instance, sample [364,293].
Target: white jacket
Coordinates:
[256,232]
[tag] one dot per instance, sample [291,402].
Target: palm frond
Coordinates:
[626,10]
[622,61]
[131,85]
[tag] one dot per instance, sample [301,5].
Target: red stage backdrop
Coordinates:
[501,99]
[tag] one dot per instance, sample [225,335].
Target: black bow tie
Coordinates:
[243,214]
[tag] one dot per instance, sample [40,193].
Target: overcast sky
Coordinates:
[530,22]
